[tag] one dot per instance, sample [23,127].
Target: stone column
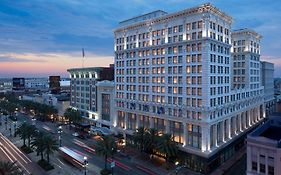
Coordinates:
[239,123]
[167,124]
[151,122]
[228,128]
[137,121]
[223,131]
[126,120]
[215,134]
[205,146]
[184,134]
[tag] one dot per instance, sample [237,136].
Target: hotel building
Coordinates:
[173,72]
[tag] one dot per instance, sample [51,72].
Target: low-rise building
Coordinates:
[264,148]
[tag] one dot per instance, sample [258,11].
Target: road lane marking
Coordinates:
[6,154]
[17,151]
[10,153]
[11,160]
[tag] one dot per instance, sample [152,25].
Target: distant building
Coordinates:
[6,84]
[267,81]
[83,89]
[36,83]
[264,148]
[54,84]
[18,84]
[59,101]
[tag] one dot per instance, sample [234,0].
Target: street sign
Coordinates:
[112,165]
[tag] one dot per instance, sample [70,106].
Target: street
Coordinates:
[10,152]
[123,165]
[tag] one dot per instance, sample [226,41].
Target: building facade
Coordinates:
[264,148]
[173,73]
[83,88]
[36,83]
[105,106]
[267,79]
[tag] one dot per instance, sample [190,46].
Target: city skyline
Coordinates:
[41,40]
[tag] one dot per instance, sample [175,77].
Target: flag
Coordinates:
[83,53]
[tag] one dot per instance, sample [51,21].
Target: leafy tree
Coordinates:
[26,132]
[72,115]
[106,147]
[39,143]
[167,146]
[139,138]
[50,146]
[22,132]
[9,168]
[151,140]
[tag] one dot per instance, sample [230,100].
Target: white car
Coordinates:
[75,134]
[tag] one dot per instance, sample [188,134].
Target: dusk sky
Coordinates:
[40,38]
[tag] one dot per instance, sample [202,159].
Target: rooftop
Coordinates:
[272,132]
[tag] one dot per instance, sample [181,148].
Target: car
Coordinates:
[81,136]
[75,134]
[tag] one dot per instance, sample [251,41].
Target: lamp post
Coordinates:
[112,165]
[15,127]
[178,168]
[85,164]
[6,122]
[60,131]
[1,119]
[33,120]
[10,129]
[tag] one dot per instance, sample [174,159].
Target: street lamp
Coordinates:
[10,129]
[60,131]
[85,164]
[33,120]
[15,127]
[112,165]
[6,122]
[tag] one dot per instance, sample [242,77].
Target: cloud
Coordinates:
[18,60]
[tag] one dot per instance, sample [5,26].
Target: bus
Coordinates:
[73,157]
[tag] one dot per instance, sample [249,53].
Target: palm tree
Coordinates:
[106,147]
[139,138]
[151,140]
[39,144]
[167,146]
[51,145]
[72,115]
[23,132]
[9,168]
[30,133]
[26,132]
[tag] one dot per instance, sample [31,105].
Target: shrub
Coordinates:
[105,172]
[45,165]
[26,149]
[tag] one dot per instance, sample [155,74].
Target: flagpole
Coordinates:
[83,56]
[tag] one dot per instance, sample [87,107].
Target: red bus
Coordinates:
[73,157]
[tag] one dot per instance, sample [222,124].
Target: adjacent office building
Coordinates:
[264,148]
[267,80]
[83,88]
[173,72]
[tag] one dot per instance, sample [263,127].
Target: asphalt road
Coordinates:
[9,152]
[124,166]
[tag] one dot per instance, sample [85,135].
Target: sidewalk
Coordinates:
[223,169]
